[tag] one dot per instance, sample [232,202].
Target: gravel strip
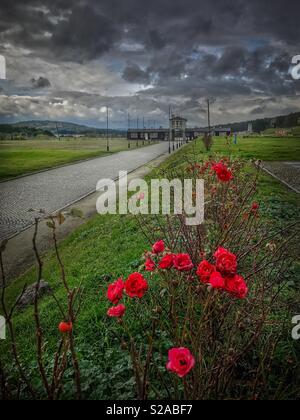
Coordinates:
[286,172]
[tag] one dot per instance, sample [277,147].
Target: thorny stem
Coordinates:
[39,332]
[8,317]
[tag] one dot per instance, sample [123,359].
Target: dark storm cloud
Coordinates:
[95,26]
[86,34]
[40,83]
[133,73]
[186,50]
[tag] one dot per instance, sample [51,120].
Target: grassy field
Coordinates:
[264,148]
[107,247]
[22,157]
[294,131]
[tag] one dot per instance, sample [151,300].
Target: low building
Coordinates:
[178,130]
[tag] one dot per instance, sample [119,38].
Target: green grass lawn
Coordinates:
[264,148]
[22,157]
[295,131]
[107,247]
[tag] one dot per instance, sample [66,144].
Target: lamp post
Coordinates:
[129,143]
[137,126]
[107,130]
[170,130]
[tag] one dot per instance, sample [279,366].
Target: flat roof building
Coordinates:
[177,129]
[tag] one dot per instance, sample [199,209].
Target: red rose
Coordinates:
[167,262]
[158,247]
[226,262]
[116,311]
[136,285]
[115,291]
[150,265]
[217,281]
[180,361]
[223,173]
[255,208]
[183,262]
[205,270]
[65,327]
[236,286]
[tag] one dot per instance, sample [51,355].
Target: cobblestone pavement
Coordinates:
[57,188]
[287,172]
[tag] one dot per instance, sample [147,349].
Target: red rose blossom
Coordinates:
[183,262]
[136,285]
[217,281]
[226,262]
[236,286]
[167,262]
[180,361]
[150,265]
[223,173]
[255,208]
[116,311]
[65,327]
[158,247]
[205,270]
[115,291]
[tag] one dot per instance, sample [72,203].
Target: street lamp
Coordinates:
[129,138]
[107,130]
[170,130]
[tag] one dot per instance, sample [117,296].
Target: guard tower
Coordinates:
[178,128]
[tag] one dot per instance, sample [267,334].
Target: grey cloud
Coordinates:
[40,83]
[237,50]
[133,73]
[86,34]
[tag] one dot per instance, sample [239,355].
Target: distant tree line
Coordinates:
[259,125]
[12,132]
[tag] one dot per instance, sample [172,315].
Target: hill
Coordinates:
[259,125]
[66,128]
[10,132]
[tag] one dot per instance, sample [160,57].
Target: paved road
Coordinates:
[56,188]
[287,172]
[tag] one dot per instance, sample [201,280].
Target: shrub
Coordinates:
[206,325]
[208,141]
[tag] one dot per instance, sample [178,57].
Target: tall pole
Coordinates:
[208,116]
[129,144]
[137,126]
[172,133]
[107,130]
[143,131]
[57,132]
[170,130]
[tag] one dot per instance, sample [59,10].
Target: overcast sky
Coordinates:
[69,59]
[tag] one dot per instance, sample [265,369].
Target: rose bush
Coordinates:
[209,296]
[205,315]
